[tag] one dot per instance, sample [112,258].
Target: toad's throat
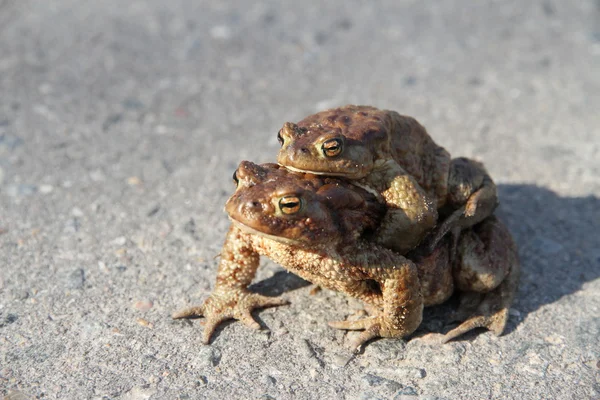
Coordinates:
[247,229]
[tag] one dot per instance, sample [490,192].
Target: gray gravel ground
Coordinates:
[121,123]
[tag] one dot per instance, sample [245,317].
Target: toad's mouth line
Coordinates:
[247,229]
[306,171]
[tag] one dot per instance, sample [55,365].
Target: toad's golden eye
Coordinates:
[332,147]
[235,178]
[290,204]
[280,138]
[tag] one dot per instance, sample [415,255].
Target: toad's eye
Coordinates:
[332,147]
[290,204]
[235,178]
[280,138]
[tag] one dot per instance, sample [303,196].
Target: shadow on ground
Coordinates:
[559,245]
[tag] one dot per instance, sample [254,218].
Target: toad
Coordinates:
[320,228]
[394,156]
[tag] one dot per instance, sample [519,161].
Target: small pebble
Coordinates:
[77,212]
[134,181]
[554,339]
[144,323]
[268,380]
[72,225]
[143,305]
[162,130]
[44,189]
[120,241]
[369,396]
[406,393]
[10,142]
[220,32]
[153,211]
[305,348]
[400,373]
[97,175]
[376,381]
[102,266]
[14,395]
[21,189]
[9,319]
[133,104]
[341,360]
[209,356]
[202,380]
[76,279]
[20,294]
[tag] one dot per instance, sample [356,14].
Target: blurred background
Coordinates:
[121,124]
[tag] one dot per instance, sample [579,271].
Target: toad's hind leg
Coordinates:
[489,310]
[395,294]
[472,197]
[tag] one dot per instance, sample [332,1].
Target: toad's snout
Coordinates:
[252,209]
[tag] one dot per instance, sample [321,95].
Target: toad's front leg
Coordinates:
[397,296]
[411,212]
[231,297]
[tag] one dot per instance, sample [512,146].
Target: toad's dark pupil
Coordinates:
[290,205]
[235,178]
[279,138]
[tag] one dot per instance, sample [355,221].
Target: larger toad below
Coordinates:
[318,228]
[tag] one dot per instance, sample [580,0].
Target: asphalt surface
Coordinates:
[122,122]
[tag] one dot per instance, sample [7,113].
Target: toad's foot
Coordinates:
[373,327]
[227,304]
[495,323]
[492,311]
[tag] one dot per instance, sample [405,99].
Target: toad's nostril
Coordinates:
[304,150]
[253,205]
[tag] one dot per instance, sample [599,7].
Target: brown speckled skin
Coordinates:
[393,155]
[326,243]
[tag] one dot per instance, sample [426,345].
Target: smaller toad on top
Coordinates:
[394,156]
